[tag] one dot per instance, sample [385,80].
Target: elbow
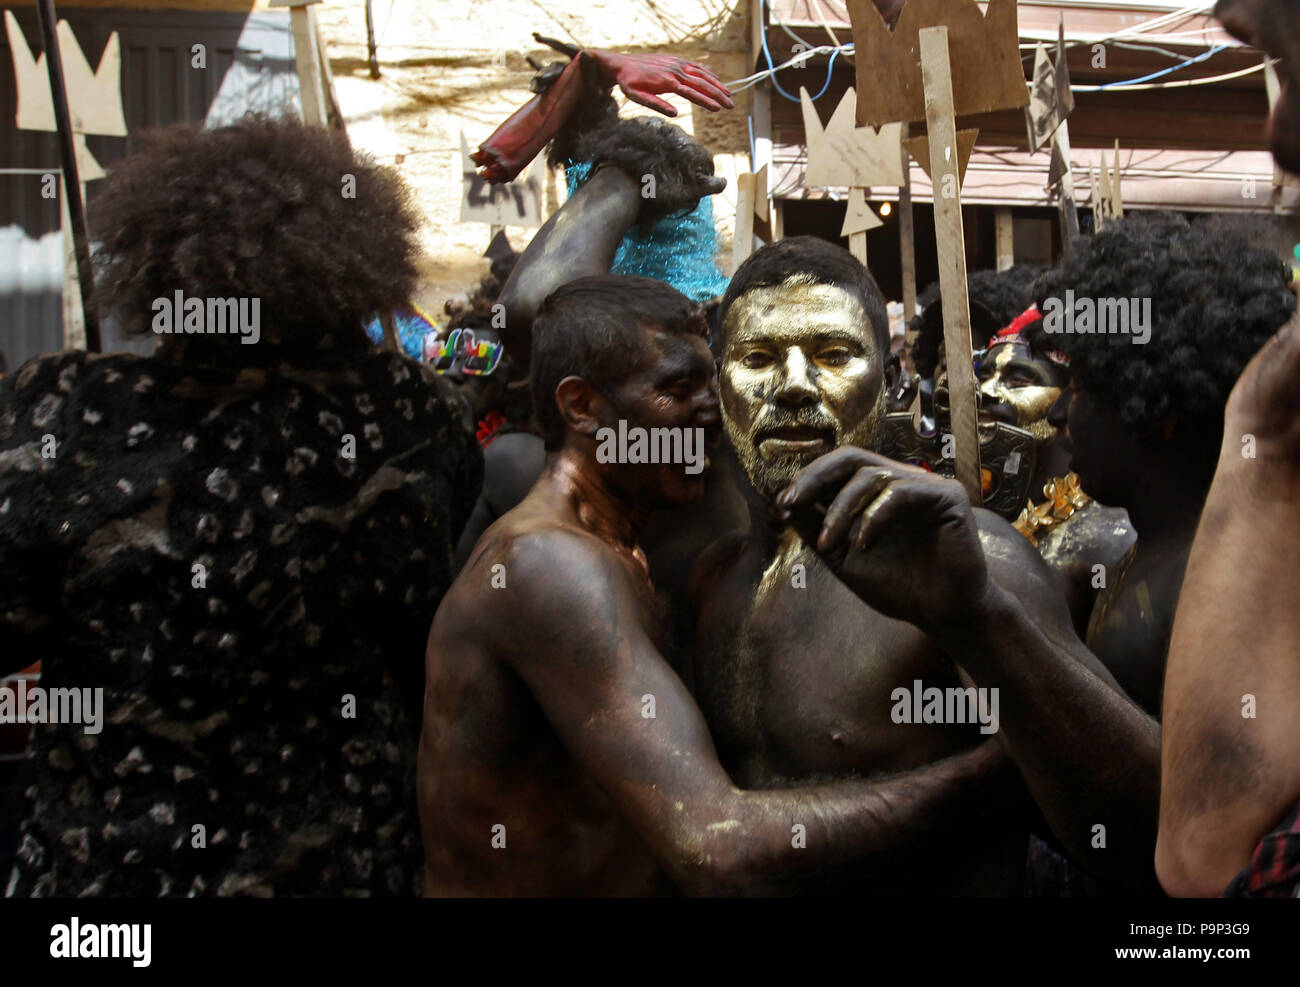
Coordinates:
[708,869]
[715,859]
[1186,870]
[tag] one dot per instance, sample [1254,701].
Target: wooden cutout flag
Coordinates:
[983,54]
[858,216]
[843,153]
[1051,100]
[1106,198]
[919,148]
[94,97]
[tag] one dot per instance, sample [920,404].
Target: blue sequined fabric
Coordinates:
[411,330]
[677,249]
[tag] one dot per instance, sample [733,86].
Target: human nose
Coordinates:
[796,385]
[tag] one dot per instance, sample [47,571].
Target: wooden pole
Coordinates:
[71,180]
[858,246]
[950,241]
[906,239]
[1065,187]
[742,244]
[370,42]
[1005,237]
[307,58]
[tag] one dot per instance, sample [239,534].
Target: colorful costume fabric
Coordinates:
[1274,870]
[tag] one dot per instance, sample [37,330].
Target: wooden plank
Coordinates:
[742,244]
[858,247]
[1005,238]
[843,153]
[906,239]
[307,57]
[950,243]
[984,69]
[920,148]
[1061,174]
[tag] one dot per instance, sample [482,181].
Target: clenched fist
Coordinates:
[906,541]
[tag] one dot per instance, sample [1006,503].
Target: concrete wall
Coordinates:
[458,65]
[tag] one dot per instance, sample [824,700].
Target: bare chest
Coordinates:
[795,676]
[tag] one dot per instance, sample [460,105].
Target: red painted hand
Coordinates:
[644,78]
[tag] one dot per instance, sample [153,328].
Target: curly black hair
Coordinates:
[1217,295]
[261,209]
[995,299]
[643,147]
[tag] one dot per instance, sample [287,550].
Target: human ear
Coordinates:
[581,406]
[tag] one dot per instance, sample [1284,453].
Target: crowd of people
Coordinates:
[345,605]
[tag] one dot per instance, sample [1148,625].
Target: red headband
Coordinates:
[1011,334]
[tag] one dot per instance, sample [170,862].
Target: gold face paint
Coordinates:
[1031,402]
[801,375]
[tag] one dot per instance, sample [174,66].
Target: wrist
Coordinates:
[1255,471]
[976,626]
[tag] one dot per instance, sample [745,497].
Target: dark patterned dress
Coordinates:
[246,561]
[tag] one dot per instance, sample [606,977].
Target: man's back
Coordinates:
[244,561]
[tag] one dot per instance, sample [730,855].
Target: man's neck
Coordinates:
[597,508]
[765,531]
[1166,504]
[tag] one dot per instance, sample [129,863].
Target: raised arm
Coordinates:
[1232,683]
[909,544]
[578,241]
[595,674]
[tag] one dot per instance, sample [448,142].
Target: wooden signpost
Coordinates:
[315,83]
[752,204]
[941,124]
[969,63]
[906,237]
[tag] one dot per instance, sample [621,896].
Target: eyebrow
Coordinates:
[687,364]
[821,336]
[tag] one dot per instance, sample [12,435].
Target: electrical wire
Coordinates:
[1208,80]
[1165,71]
[767,55]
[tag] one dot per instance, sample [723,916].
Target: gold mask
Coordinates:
[1030,401]
[801,375]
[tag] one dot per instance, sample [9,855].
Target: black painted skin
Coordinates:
[796,683]
[535,705]
[1132,619]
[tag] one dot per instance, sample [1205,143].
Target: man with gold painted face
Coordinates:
[1072,532]
[860,582]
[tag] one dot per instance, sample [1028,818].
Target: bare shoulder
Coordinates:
[1016,565]
[544,583]
[713,563]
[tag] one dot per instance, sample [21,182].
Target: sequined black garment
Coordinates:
[247,562]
